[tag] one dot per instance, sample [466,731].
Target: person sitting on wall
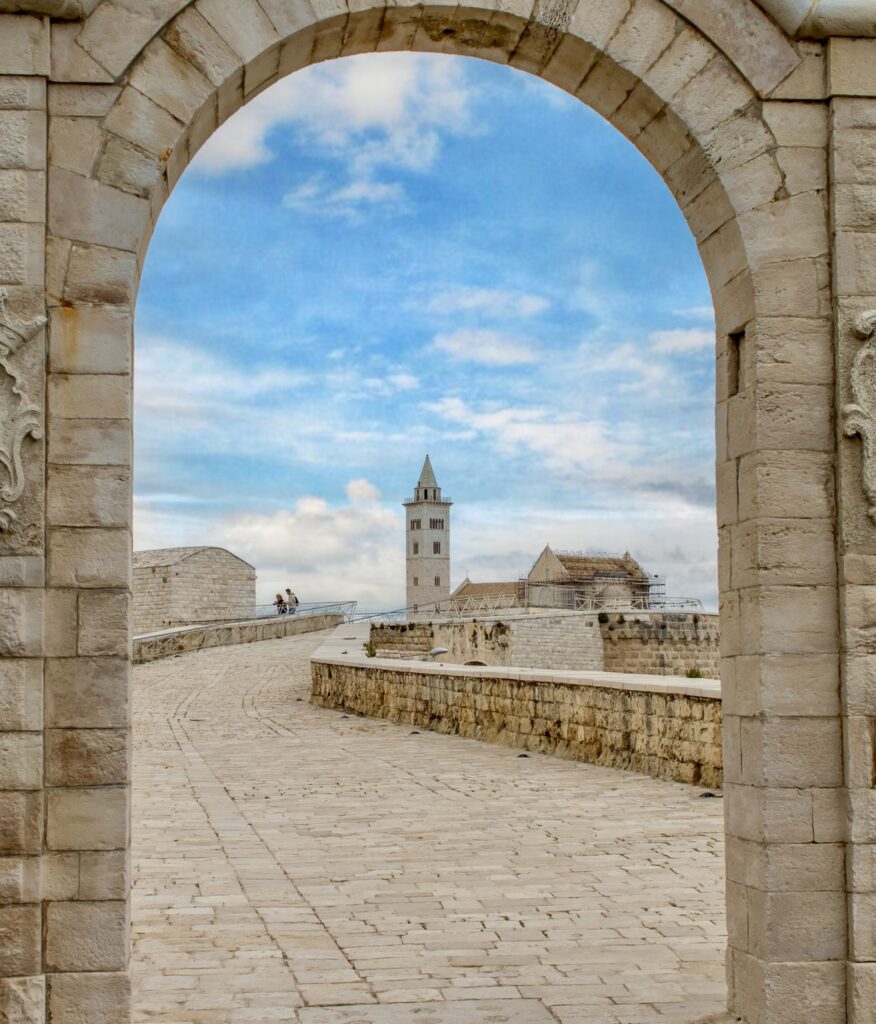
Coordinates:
[291,602]
[281,604]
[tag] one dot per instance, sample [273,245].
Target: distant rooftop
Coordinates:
[155,558]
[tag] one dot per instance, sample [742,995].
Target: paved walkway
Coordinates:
[294,864]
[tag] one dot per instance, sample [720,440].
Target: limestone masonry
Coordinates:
[427,543]
[655,643]
[670,729]
[179,586]
[760,117]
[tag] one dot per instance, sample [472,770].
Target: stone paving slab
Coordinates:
[481,1011]
[291,861]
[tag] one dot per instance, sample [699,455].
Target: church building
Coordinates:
[427,546]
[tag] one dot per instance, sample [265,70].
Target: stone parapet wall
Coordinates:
[661,643]
[154,646]
[670,729]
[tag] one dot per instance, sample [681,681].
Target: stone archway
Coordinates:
[767,144]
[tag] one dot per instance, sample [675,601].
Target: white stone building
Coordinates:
[427,542]
[178,586]
[566,579]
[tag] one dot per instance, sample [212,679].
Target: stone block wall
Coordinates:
[662,644]
[209,586]
[562,641]
[402,640]
[667,730]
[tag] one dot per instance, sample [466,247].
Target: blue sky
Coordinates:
[393,254]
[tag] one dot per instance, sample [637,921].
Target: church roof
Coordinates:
[159,557]
[580,566]
[469,589]
[427,475]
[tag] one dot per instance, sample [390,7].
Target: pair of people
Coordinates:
[287,605]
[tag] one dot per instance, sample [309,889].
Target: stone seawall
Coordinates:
[661,643]
[194,638]
[670,729]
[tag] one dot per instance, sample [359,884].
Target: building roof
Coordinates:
[581,566]
[469,589]
[427,475]
[156,558]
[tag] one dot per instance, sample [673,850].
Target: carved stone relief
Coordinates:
[859,416]
[20,418]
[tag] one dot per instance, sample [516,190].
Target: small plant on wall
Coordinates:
[693,673]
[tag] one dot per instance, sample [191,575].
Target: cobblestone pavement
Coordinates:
[291,863]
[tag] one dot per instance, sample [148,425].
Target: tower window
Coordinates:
[416,581]
[436,524]
[415,524]
[437,581]
[416,548]
[436,547]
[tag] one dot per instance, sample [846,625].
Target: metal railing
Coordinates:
[345,608]
[567,600]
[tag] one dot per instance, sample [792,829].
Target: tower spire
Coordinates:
[427,475]
[427,544]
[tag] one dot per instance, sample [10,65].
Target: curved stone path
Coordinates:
[294,864]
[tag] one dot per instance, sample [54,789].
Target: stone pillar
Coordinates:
[784,786]
[89,285]
[24,59]
[852,87]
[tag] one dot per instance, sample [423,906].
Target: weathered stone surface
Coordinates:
[22,1000]
[86,819]
[86,757]
[103,622]
[98,558]
[87,693]
[97,998]
[666,734]
[85,936]
[21,760]
[19,941]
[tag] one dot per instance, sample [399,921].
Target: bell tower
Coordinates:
[427,543]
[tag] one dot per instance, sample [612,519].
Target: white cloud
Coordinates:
[487,346]
[703,312]
[566,443]
[323,552]
[494,302]
[403,381]
[348,201]
[374,110]
[185,395]
[362,491]
[681,340]
[637,369]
